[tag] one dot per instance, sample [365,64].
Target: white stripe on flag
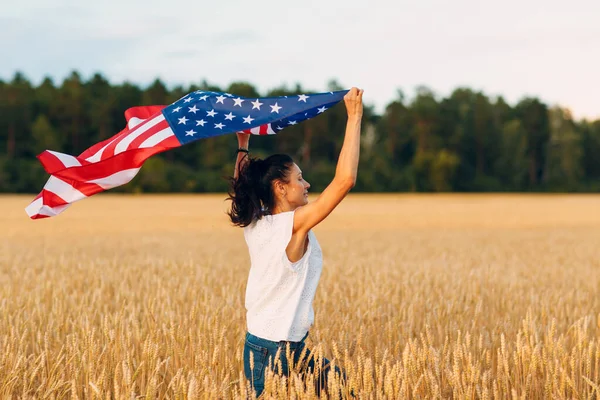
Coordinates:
[66,159]
[270,130]
[34,208]
[134,121]
[116,179]
[124,144]
[157,138]
[52,211]
[60,188]
[98,155]
[256,130]
[63,190]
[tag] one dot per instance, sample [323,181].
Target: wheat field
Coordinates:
[421,297]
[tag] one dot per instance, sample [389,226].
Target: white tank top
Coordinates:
[279,293]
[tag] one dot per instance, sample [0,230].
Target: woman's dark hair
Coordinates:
[251,194]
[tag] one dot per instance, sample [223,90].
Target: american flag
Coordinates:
[153,129]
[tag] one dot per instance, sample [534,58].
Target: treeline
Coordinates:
[466,142]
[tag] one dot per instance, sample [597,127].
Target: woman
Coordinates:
[270,201]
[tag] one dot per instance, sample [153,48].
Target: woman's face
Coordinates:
[297,188]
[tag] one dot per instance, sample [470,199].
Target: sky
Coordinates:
[515,48]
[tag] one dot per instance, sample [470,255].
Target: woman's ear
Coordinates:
[280,188]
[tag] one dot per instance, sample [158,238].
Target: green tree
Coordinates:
[564,167]
[16,116]
[45,100]
[3,119]
[44,136]
[100,103]
[152,177]
[421,167]
[425,111]
[443,170]
[534,118]
[463,142]
[512,163]
[243,89]
[590,132]
[72,115]
[125,96]
[395,127]
[156,94]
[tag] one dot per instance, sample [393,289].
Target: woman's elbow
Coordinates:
[349,183]
[346,182]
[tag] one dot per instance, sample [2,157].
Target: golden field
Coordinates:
[421,296]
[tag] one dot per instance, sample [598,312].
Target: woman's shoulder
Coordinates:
[269,221]
[271,225]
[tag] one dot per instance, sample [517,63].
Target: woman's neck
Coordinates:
[279,208]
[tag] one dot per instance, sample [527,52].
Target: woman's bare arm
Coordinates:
[242,157]
[306,217]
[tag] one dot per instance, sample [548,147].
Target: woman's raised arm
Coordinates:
[306,217]
[241,159]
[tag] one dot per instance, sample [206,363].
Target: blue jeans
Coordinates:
[264,352]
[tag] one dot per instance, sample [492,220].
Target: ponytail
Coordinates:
[251,194]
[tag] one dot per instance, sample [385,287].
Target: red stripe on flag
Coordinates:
[142,112]
[170,142]
[109,151]
[50,162]
[89,189]
[262,130]
[102,168]
[39,216]
[140,139]
[51,199]
[127,160]
[95,148]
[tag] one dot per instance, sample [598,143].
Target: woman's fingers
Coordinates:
[353,100]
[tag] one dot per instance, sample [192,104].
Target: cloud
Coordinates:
[50,49]
[542,49]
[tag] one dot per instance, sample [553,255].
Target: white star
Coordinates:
[191,132]
[193,109]
[182,120]
[203,97]
[220,99]
[256,104]
[229,116]
[219,125]
[292,123]
[238,102]
[248,120]
[199,91]
[211,113]
[279,128]
[322,109]
[200,123]
[275,108]
[176,109]
[188,100]
[228,95]
[302,97]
